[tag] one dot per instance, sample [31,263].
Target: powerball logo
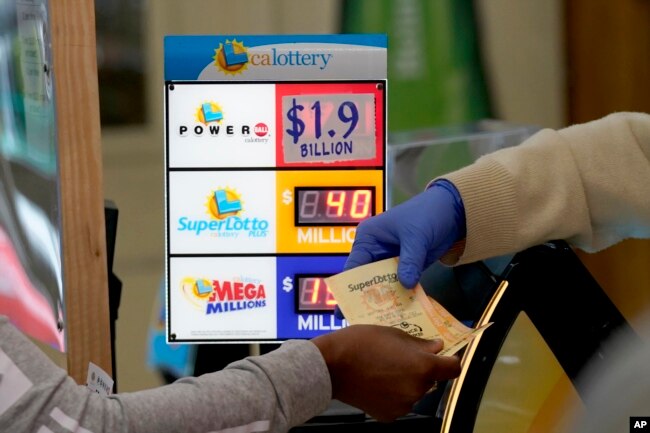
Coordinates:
[233,58]
[224,296]
[209,122]
[224,207]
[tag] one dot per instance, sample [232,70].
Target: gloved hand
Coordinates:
[420,231]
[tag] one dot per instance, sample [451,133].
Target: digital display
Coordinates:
[331,206]
[313,294]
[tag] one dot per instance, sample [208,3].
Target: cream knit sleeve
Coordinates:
[588,184]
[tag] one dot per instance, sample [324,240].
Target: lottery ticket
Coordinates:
[372,294]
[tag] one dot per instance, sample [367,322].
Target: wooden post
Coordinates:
[81,186]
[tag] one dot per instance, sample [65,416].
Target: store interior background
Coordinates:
[526,61]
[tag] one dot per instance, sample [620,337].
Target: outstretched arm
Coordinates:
[266,393]
[381,370]
[588,184]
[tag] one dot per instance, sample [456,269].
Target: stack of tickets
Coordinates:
[371,294]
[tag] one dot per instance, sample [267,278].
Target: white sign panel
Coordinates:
[219,212]
[214,297]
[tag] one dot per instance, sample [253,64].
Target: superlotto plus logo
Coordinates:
[221,296]
[225,209]
[209,122]
[232,57]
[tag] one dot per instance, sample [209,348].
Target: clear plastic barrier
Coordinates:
[415,157]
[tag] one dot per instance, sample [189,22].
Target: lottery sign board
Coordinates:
[275,150]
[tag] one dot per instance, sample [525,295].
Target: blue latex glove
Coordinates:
[420,231]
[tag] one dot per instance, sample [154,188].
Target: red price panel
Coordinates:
[313,294]
[333,124]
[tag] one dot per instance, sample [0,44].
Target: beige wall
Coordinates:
[523,47]
[522,42]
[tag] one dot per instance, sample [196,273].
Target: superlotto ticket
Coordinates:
[371,294]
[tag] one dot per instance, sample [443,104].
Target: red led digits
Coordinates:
[308,204]
[313,294]
[335,202]
[361,200]
[324,206]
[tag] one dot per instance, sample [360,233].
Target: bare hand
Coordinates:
[382,370]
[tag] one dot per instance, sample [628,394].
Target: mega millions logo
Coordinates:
[225,209]
[220,296]
[231,57]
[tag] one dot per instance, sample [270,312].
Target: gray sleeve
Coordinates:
[272,392]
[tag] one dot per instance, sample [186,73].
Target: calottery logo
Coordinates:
[225,209]
[220,296]
[233,57]
[209,121]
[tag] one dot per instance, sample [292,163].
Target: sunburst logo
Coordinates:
[231,57]
[223,203]
[209,112]
[196,291]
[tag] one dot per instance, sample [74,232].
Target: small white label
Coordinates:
[99,381]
